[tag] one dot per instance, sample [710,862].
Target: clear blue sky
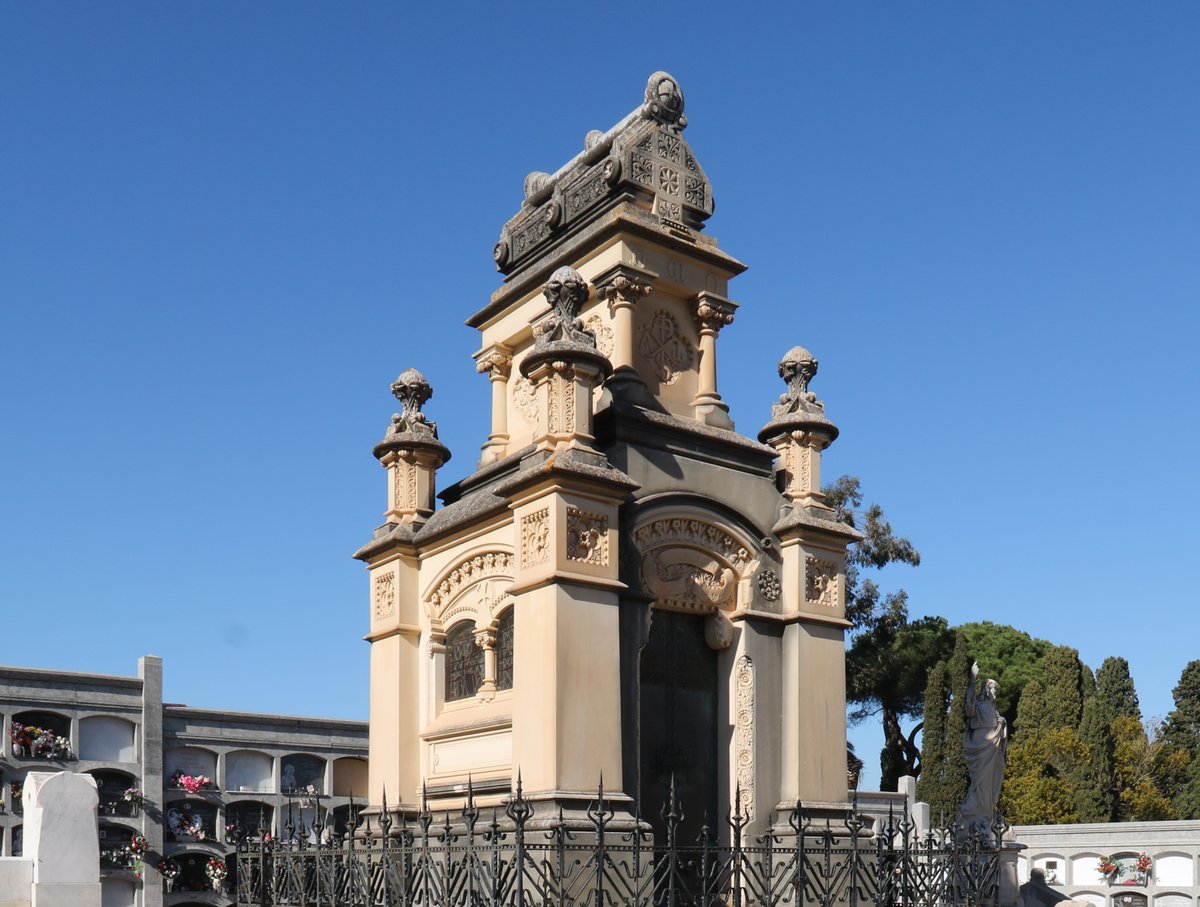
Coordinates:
[226,227]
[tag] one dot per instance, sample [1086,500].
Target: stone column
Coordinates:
[485,639]
[496,362]
[622,286]
[713,312]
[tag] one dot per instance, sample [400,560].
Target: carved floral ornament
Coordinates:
[693,565]
[476,585]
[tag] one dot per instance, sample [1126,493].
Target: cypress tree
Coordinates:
[1031,711]
[1115,688]
[933,742]
[956,779]
[1064,689]
[1093,782]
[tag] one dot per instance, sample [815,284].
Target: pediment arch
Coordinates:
[694,559]
[474,587]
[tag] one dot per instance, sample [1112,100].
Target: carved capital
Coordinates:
[623,285]
[713,311]
[495,362]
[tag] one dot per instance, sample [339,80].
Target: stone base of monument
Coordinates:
[65,894]
[16,877]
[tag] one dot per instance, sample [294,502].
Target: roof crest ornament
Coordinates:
[566,291]
[798,408]
[664,100]
[410,429]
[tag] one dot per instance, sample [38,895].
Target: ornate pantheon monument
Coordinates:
[626,589]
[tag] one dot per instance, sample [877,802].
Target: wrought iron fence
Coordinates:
[500,858]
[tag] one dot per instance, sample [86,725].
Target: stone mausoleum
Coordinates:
[626,588]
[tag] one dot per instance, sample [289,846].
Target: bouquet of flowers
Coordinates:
[216,870]
[134,796]
[1108,866]
[193,784]
[168,869]
[182,822]
[1143,862]
[138,845]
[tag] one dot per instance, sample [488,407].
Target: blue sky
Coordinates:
[225,228]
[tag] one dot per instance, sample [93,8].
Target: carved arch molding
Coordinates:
[690,564]
[476,588]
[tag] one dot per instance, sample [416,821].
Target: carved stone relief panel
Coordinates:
[664,348]
[385,595]
[525,399]
[469,572]
[768,585]
[695,533]
[599,329]
[743,732]
[562,401]
[535,537]
[820,585]
[688,579]
[587,537]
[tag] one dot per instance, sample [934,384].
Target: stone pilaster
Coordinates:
[713,312]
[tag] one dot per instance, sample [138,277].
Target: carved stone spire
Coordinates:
[566,291]
[799,430]
[411,452]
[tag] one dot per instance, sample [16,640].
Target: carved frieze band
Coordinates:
[469,572]
[587,537]
[821,585]
[665,348]
[743,730]
[535,537]
[385,595]
[694,533]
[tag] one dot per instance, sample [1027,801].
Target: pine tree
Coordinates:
[933,742]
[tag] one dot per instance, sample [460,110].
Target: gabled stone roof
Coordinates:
[644,157]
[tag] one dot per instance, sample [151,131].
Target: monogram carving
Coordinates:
[469,572]
[535,537]
[665,348]
[820,586]
[587,537]
[743,731]
[385,595]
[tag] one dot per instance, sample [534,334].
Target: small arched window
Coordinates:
[504,650]
[464,662]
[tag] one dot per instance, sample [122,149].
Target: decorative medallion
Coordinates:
[535,537]
[743,733]
[587,537]
[768,585]
[664,347]
[385,595]
[820,585]
[598,327]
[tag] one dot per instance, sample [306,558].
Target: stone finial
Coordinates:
[664,100]
[798,367]
[566,291]
[410,428]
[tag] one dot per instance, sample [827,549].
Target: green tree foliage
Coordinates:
[1037,789]
[889,658]
[1063,672]
[1142,767]
[1093,778]
[1009,655]
[955,779]
[1181,731]
[1114,686]
[1031,710]
[930,785]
